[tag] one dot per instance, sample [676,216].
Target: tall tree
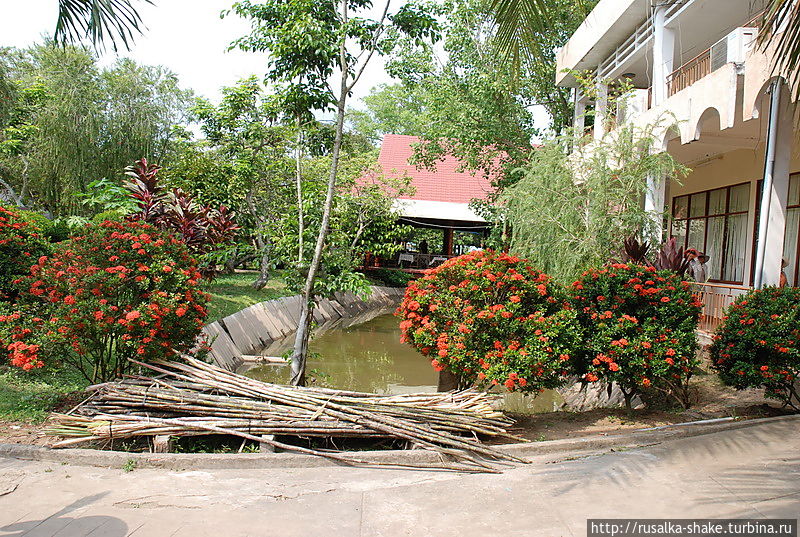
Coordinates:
[310,42]
[72,122]
[253,147]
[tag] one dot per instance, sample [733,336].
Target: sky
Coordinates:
[187,36]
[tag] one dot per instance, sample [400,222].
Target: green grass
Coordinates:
[233,292]
[31,396]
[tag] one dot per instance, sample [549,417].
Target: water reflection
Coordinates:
[368,357]
[363,357]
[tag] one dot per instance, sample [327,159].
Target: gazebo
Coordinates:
[440,202]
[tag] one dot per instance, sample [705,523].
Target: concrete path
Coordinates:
[747,473]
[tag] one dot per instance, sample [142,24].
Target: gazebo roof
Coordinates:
[443,193]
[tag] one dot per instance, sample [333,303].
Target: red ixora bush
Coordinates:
[639,326]
[491,318]
[758,343]
[122,290]
[20,245]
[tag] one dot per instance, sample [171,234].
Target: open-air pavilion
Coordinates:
[438,208]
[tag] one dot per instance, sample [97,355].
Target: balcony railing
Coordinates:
[716,299]
[731,48]
[689,73]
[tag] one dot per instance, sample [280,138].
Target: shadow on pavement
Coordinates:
[59,523]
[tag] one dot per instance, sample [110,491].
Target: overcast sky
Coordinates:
[187,36]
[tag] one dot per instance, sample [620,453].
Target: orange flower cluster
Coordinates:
[758,343]
[122,290]
[639,325]
[491,318]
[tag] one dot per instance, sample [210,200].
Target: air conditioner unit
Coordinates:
[719,54]
[732,48]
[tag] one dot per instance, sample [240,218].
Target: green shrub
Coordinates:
[121,290]
[392,277]
[640,329]
[21,244]
[758,343]
[491,318]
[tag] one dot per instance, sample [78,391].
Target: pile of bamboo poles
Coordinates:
[194,398]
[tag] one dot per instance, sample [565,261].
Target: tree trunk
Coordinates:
[300,352]
[299,187]
[264,270]
[447,381]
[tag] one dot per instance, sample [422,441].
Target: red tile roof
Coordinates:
[444,184]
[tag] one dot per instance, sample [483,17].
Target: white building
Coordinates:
[720,111]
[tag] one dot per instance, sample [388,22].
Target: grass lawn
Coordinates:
[233,292]
[30,396]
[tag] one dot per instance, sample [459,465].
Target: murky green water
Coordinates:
[369,357]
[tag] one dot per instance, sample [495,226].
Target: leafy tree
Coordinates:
[125,112]
[391,109]
[472,107]
[569,211]
[309,42]
[253,145]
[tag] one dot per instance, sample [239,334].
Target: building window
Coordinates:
[791,243]
[715,222]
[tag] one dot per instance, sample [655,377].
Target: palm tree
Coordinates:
[101,21]
[520,22]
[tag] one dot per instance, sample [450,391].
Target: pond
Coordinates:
[369,357]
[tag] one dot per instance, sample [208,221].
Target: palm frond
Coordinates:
[521,24]
[780,26]
[101,21]
[518,22]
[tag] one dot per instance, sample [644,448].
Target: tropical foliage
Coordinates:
[491,318]
[639,326]
[120,291]
[758,344]
[569,210]
[48,160]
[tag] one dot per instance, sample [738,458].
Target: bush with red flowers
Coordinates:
[490,318]
[21,243]
[758,343]
[122,290]
[640,329]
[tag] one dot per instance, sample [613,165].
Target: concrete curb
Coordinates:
[203,461]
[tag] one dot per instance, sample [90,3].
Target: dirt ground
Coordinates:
[711,400]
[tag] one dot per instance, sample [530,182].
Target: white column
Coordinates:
[655,201]
[774,219]
[663,54]
[578,118]
[601,110]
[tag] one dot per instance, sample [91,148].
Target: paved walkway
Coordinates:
[748,473]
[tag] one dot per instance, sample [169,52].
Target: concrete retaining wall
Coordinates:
[255,329]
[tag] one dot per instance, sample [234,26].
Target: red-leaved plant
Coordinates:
[123,290]
[201,227]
